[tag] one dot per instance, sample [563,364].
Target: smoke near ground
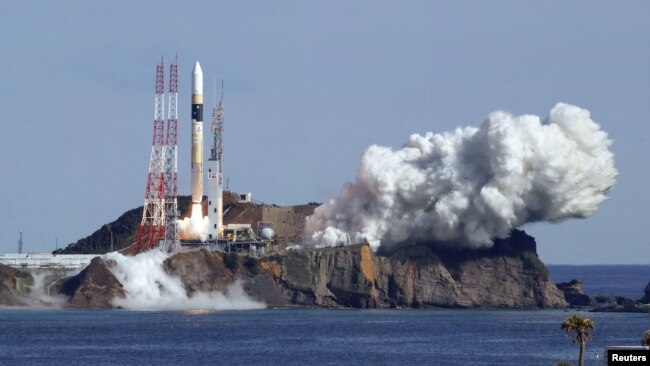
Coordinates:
[196,226]
[149,287]
[472,185]
[40,293]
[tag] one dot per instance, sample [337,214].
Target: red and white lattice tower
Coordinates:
[152,226]
[170,166]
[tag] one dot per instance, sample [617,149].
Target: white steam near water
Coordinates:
[40,293]
[472,185]
[149,287]
[40,290]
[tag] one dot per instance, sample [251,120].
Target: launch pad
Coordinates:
[160,225]
[237,238]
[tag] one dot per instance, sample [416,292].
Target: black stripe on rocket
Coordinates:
[197,112]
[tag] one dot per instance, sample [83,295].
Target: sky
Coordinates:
[308,87]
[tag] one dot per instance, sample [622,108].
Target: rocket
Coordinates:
[197,134]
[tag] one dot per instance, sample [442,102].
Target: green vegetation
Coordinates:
[532,262]
[122,232]
[581,327]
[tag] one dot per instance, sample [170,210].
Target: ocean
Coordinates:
[300,337]
[619,280]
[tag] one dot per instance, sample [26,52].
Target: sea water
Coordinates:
[326,337]
[618,280]
[303,337]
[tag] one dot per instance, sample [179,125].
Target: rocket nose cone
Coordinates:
[197,79]
[197,69]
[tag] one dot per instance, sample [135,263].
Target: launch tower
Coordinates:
[215,173]
[160,213]
[152,226]
[171,164]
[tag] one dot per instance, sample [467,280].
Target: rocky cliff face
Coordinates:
[207,271]
[507,275]
[95,287]
[14,284]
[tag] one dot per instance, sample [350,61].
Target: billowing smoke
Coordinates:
[40,293]
[149,287]
[472,185]
[196,226]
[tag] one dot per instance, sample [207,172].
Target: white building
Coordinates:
[46,260]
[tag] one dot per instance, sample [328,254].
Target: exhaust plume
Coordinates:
[472,185]
[196,226]
[149,287]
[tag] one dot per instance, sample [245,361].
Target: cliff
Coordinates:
[14,283]
[94,287]
[508,275]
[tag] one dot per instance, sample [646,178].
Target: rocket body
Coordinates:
[197,134]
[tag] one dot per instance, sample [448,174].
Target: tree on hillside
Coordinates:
[646,338]
[581,327]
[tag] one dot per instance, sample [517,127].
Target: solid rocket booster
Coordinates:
[197,134]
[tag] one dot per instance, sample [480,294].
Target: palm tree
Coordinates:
[646,338]
[581,327]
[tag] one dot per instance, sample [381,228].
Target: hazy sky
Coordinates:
[309,85]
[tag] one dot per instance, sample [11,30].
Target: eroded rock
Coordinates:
[95,287]
[14,284]
[573,293]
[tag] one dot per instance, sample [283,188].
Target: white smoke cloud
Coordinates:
[40,294]
[472,185]
[196,226]
[149,287]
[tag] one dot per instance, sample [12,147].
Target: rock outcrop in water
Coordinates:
[600,303]
[619,304]
[573,293]
[509,275]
